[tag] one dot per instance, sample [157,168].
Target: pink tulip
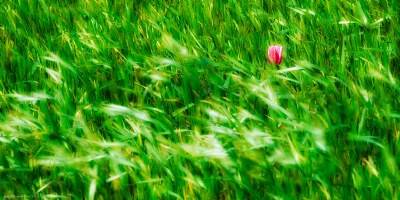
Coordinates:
[275,54]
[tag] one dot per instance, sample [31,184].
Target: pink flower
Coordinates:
[275,54]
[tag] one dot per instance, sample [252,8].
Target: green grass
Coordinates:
[176,100]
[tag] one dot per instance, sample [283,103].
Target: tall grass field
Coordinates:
[168,99]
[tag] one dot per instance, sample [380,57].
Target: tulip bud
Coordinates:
[275,54]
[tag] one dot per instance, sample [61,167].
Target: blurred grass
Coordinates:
[175,99]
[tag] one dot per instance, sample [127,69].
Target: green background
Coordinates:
[104,99]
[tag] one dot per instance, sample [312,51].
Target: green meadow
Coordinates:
[167,99]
